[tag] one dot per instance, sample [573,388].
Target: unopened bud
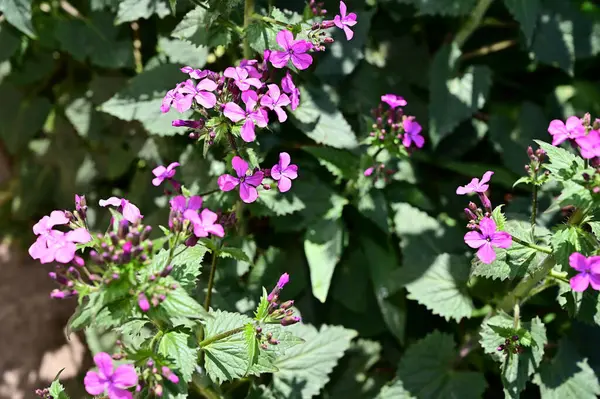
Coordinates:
[286,305]
[290,320]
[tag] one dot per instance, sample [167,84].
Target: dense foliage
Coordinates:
[339,212]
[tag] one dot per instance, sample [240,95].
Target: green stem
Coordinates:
[561,276]
[206,392]
[209,192]
[545,250]
[211,281]
[221,336]
[527,284]
[481,312]
[516,314]
[232,143]
[271,20]
[534,204]
[473,22]
[248,12]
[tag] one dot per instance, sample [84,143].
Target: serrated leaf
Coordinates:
[57,390]
[184,53]
[340,163]
[135,332]
[568,239]
[251,345]
[584,306]
[442,288]
[426,370]
[180,304]
[323,249]
[499,217]
[526,13]
[263,306]
[304,369]
[567,375]
[186,262]
[563,164]
[197,28]
[272,202]
[18,14]
[132,10]
[235,253]
[595,226]
[550,46]
[394,391]
[178,346]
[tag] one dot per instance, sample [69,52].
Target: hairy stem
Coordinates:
[545,250]
[534,204]
[270,20]
[211,281]
[221,336]
[248,12]
[137,47]
[473,22]
[516,314]
[561,276]
[527,284]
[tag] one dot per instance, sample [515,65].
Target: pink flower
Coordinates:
[589,272]
[163,173]
[561,131]
[412,133]
[143,302]
[369,171]
[274,100]
[204,223]
[486,239]
[169,375]
[201,93]
[172,96]
[180,204]
[129,211]
[284,173]
[194,73]
[589,145]
[248,184]
[287,84]
[241,79]
[393,100]
[249,66]
[45,225]
[293,49]
[58,246]
[109,381]
[476,186]
[235,113]
[283,280]
[344,21]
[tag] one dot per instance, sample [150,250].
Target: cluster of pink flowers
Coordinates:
[484,235]
[581,133]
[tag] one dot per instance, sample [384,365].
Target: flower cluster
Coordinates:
[154,375]
[580,133]
[484,235]
[511,345]
[110,381]
[588,272]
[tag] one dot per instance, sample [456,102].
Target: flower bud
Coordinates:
[290,320]
[123,229]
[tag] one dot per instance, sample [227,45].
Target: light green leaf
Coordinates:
[132,10]
[180,304]
[135,332]
[142,97]
[272,202]
[304,369]
[183,52]
[443,288]
[197,27]
[454,99]
[323,248]
[18,14]
[57,390]
[173,4]
[499,217]
[567,375]
[186,262]
[563,164]
[426,371]
[526,13]
[251,346]
[179,347]
[235,253]
[341,163]
[394,391]
[584,306]
[595,226]
[263,306]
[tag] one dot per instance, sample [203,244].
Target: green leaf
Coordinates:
[142,97]
[186,262]
[563,164]
[183,52]
[235,253]
[173,4]
[584,306]
[263,306]
[551,46]
[526,13]
[10,42]
[135,332]
[180,304]
[443,288]
[323,247]
[179,347]
[261,36]
[567,375]
[595,226]
[442,7]
[57,390]
[394,391]
[197,27]
[251,345]
[499,217]
[454,99]
[568,239]
[305,369]
[320,119]
[18,14]
[340,163]
[426,370]
[132,10]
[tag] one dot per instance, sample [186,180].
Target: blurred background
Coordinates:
[81,83]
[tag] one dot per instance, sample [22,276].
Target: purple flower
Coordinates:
[199,124]
[109,381]
[561,131]
[241,78]
[393,100]
[235,113]
[293,49]
[129,211]
[58,246]
[45,224]
[287,84]
[486,239]
[172,96]
[476,186]
[369,171]
[412,133]
[194,73]
[344,21]
[143,302]
[249,66]
[181,204]
[274,100]
[589,145]
[204,223]
[169,375]
[283,280]
[201,93]
[284,173]
[163,173]
[589,272]
[248,184]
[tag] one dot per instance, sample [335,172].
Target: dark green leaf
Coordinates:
[18,14]
[526,13]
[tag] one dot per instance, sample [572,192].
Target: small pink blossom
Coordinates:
[247,183]
[180,204]
[200,92]
[589,272]
[195,73]
[129,211]
[393,100]
[45,225]
[204,223]
[241,78]
[172,96]
[294,50]
[193,124]
[476,186]
[169,375]
[486,238]
[163,173]
[287,84]
[412,133]
[561,131]
[250,116]
[143,302]
[283,280]
[274,100]
[110,381]
[57,246]
[369,171]
[284,173]
[345,21]
[589,145]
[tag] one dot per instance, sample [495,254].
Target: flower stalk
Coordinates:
[539,248]
[211,281]
[248,13]
[221,336]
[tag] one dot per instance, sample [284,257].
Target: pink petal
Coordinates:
[574,125]
[486,177]
[419,141]
[80,235]
[291,172]
[216,230]
[343,9]
[227,182]
[279,59]
[38,248]
[283,100]
[208,217]
[284,39]
[275,173]
[337,20]
[178,203]
[184,103]
[192,216]
[284,184]
[234,112]
[131,212]
[195,202]
[348,32]
[274,91]
[350,19]
[247,132]
[157,181]
[240,166]
[159,171]
[254,82]
[301,47]
[57,218]
[260,117]
[595,281]
[65,252]
[580,282]
[486,253]
[250,98]
[248,193]
[230,72]
[487,227]
[112,201]
[105,364]
[578,262]
[474,239]
[281,115]
[501,239]
[41,226]
[255,179]
[94,384]
[287,84]
[206,99]
[117,393]
[125,376]
[302,61]
[284,160]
